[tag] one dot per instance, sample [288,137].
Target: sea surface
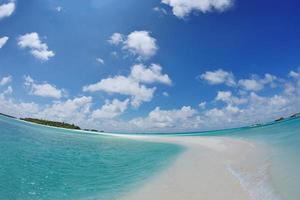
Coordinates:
[38,162]
[279,174]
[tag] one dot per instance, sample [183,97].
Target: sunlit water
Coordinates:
[281,162]
[37,162]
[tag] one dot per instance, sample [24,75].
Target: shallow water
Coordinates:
[281,166]
[38,162]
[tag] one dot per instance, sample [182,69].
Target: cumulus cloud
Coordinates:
[116,39]
[15,108]
[256,83]
[3,41]
[132,85]
[8,91]
[139,43]
[251,84]
[182,8]
[37,48]
[227,97]
[239,109]
[43,89]
[218,77]
[149,74]
[294,74]
[7,9]
[158,118]
[110,109]
[125,86]
[202,105]
[72,110]
[5,80]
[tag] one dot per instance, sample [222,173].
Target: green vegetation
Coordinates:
[52,123]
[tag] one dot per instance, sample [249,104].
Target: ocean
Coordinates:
[38,162]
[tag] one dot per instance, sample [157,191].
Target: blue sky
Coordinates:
[157,65]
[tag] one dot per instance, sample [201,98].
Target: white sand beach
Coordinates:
[210,168]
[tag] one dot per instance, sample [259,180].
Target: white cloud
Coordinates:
[7,92]
[110,109]
[215,113]
[218,77]
[132,85]
[74,110]
[5,80]
[38,49]
[116,39]
[294,74]
[138,43]
[251,84]
[239,109]
[18,109]
[158,118]
[256,83]
[7,9]
[202,105]
[182,8]
[246,109]
[43,89]
[3,41]
[151,74]
[100,60]
[223,96]
[160,10]
[227,97]
[125,86]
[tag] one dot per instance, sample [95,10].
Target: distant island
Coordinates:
[7,115]
[292,116]
[75,127]
[52,123]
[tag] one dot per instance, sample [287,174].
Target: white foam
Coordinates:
[255,183]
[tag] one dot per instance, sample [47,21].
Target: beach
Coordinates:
[40,162]
[209,168]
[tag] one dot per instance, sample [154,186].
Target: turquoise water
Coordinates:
[37,162]
[283,140]
[283,153]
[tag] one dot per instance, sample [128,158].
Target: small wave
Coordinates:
[256,184]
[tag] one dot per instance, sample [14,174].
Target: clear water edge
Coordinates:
[281,139]
[44,163]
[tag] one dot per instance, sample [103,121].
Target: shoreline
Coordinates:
[209,168]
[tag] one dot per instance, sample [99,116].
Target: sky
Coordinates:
[150,66]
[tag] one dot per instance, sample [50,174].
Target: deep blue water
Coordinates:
[38,162]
